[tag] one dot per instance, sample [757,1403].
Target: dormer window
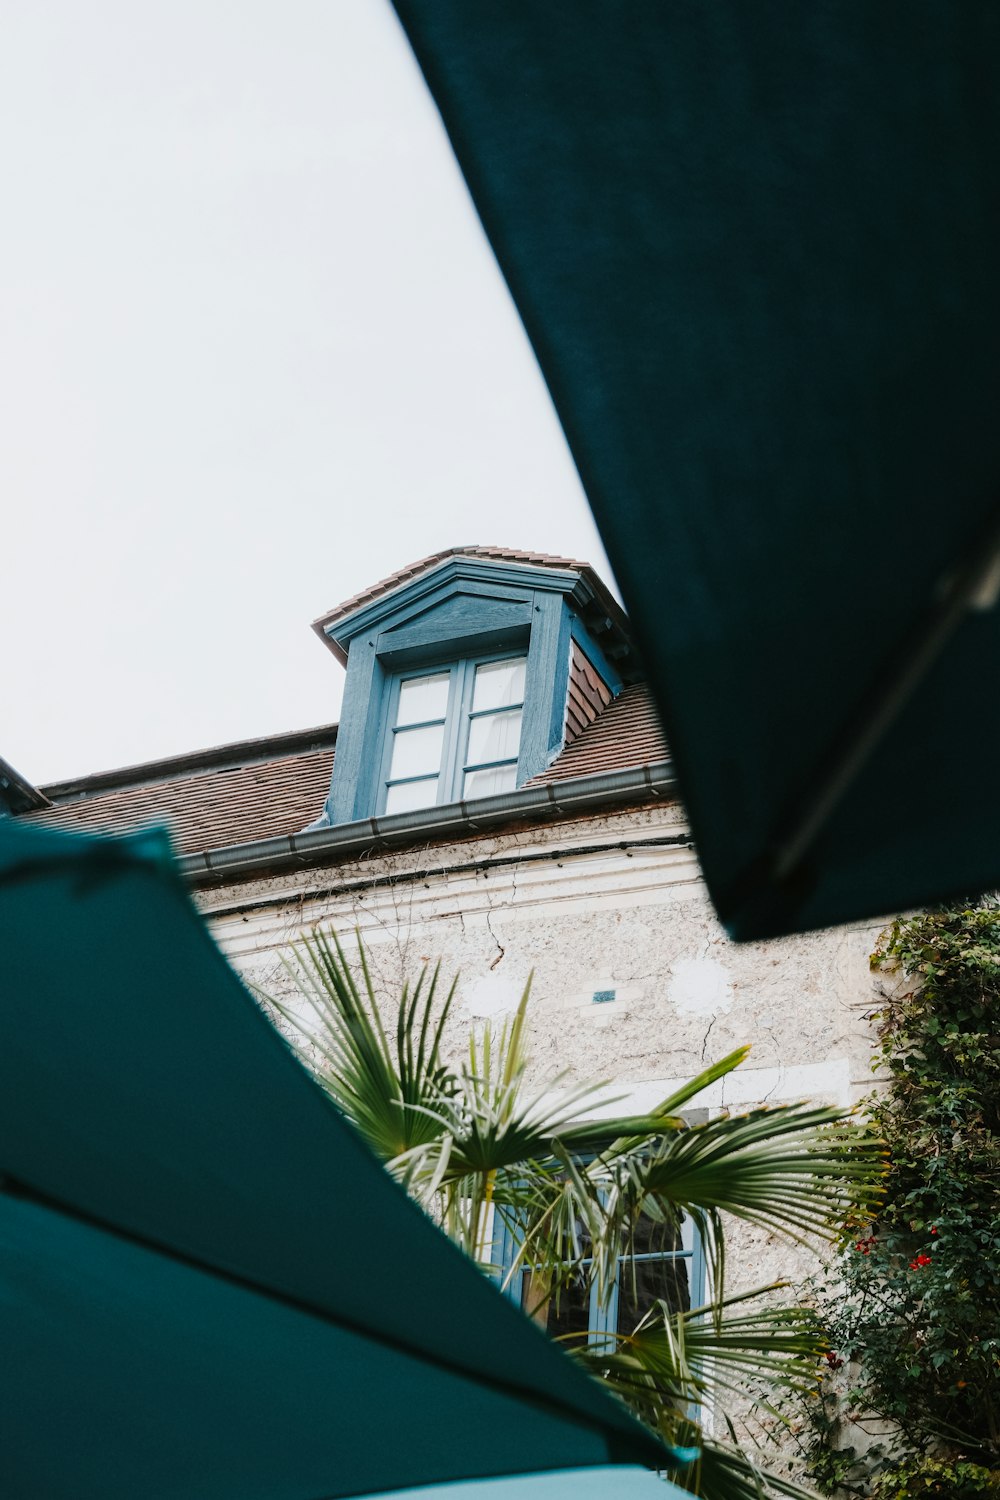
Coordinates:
[466,674]
[453,734]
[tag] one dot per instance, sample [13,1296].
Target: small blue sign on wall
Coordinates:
[601,997]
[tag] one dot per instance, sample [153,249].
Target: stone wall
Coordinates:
[589,907]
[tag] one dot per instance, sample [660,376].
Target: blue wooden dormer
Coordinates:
[466,675]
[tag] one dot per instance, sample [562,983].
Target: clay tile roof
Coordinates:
[207,806]
[627,733]
[413,570]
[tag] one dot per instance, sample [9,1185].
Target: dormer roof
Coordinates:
[333,627]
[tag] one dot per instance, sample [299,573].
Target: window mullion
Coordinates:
[395,729]
[479,765]
[660,1255]
[408,780]
[604,1320]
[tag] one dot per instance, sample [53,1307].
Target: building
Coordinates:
[498,795]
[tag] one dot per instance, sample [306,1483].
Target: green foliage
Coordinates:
[475,1140]
[950,1479]
[922,1311]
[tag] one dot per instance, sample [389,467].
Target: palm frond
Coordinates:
[727,1473]
[496,1148]
[794,1170]
[678,1356]
[611,1138]
[392,1096]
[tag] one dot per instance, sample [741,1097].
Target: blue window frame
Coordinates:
[452,732]
[665,1264]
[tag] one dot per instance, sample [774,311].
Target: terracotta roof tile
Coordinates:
[211,808]
[627,733]
[588,695]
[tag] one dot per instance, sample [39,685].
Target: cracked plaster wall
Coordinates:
[597,905]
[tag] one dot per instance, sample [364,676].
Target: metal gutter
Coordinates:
[570,798]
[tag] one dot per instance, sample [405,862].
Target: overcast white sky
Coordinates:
[255,353]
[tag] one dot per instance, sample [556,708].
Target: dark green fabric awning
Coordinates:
[755,248]
[208,1287]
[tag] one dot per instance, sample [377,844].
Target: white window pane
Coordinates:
[494,737]
[499,684]
[416,752]
[410,795]
[423,698]
[489,783]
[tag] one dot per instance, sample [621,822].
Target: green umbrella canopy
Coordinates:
[209,1288]
[755,248]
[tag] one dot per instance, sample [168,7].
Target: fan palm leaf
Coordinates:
[680,1356]
[389,1093]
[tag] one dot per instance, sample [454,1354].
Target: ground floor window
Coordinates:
[665,1264]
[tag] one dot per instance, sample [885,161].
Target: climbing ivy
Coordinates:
[916,1338]
[951,1479]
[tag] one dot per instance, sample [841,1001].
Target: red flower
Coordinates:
[920,1262]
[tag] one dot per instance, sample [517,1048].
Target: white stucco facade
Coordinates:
[610,903]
